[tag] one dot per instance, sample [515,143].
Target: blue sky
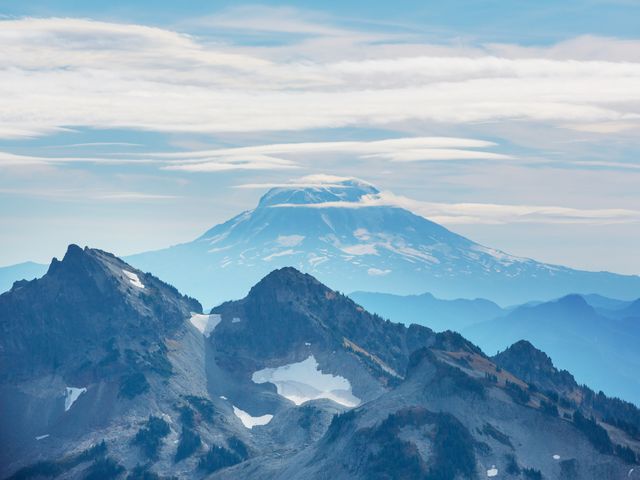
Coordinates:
[135,125]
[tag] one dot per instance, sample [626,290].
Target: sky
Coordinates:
[131,126]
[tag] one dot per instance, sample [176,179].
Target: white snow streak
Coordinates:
[205,323]
[249,421]
[133,278]
[71,395]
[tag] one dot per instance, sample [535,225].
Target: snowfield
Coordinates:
[71,395]
[205,323]
[303,381]
[249,421]
[133,278]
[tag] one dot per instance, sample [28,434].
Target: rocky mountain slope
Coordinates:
[107,372]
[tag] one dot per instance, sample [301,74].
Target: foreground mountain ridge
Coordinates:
[295,380]
[594,337]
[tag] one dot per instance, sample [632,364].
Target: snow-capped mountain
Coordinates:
[339,231]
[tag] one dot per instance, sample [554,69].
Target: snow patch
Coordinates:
[492,472]
[205,323]
[303,381]
[236,320]
[556,457]
[133,278]
[249,421]
[42,437]
[71,395]
[290,240]
[222,397]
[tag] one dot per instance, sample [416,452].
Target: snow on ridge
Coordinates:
[42,437]
[71,395]
[250,421]
[205,323]
[133,278]
[303,381]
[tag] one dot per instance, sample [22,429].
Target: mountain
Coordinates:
[458,415]
[108,372]
[427,310]
[538,371]
[104,367]
[20,271]
[600,351]
[339,231]
[605,303]
[625,311]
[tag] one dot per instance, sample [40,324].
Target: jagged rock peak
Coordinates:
[288,279]
[534,366]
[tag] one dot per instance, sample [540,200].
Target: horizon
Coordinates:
[131,129]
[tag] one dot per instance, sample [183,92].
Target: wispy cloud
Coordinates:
[8,159]
[63,72]
[395,150]
[225,163]
[269,156]
[76,194]
[471,213]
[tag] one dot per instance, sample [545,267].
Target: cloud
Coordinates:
[262,19]
[262,156]
[8,159]
[60,73]
[483,213]
[82,194]
[438,154]
[376,272]
[269,156]
[352,147]
[234,162]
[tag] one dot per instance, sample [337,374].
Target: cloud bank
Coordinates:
[58,73]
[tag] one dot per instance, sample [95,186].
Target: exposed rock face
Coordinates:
[85,303]
[534,366]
